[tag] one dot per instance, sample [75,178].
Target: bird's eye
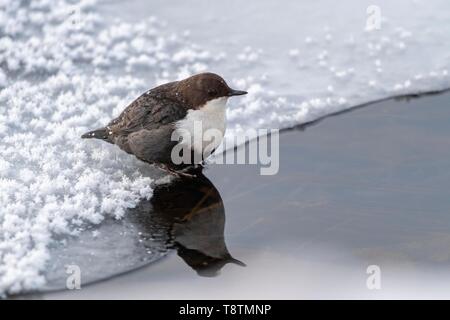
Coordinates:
[212,92]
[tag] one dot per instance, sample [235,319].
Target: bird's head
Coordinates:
[205,87]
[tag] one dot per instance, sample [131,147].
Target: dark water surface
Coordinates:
[367,187]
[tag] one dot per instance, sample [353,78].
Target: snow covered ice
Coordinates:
[69,66]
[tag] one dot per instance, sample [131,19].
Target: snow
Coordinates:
[69,66]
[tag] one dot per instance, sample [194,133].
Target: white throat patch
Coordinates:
[211,116]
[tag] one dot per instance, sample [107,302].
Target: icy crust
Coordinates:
[52,182]
[63,72]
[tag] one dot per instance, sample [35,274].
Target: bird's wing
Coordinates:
[147,112]
[151,145]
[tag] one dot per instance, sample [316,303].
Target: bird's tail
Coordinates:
[97,134]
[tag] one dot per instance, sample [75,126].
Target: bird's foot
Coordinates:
[185,174]
[176,173]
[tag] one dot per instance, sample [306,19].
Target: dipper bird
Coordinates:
[146,127]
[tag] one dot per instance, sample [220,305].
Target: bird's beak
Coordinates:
[236,261]
[236,93]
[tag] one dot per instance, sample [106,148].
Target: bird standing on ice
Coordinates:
[146,128]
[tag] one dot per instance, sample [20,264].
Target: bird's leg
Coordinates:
[182,173]
[174,172]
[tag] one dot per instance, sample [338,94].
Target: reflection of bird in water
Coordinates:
[190,216]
